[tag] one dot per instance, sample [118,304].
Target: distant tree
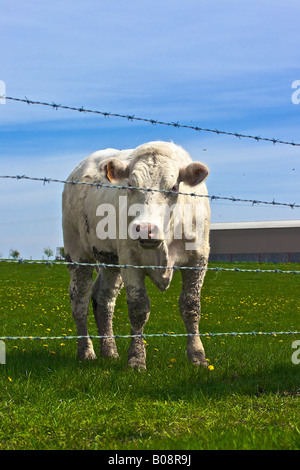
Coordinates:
[61,252]
[15,254]
[48,252]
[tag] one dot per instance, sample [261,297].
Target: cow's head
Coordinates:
[155,168]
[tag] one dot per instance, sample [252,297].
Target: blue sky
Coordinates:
[227,65]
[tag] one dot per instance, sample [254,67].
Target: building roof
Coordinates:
[255,225]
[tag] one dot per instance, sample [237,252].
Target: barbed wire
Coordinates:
[151,121]
[153,335]
[106,265]
[130,266]
[106,185]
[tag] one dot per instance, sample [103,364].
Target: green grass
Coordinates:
[50,400]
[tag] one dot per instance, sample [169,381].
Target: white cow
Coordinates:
[128,226]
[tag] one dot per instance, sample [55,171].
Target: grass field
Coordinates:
[250,400]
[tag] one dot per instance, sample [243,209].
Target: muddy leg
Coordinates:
[80,293]
[105,290]
[189,305]
[138,311]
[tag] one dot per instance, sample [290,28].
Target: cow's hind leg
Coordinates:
[105,290]
[80,293]
[189,304]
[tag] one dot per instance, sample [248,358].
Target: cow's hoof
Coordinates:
[136,363]
[85,350]
[86,355]
[110,354]
[200,363]
[198,359]
[109,350]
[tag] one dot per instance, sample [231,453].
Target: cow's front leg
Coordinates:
[80,293]
[138,311]
[105,290]
[189,305]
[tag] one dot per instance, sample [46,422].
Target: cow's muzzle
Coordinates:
[150,244]
[148,235]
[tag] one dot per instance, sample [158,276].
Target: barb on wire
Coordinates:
[106,185]
[151,121]
[130,266]
[153,335]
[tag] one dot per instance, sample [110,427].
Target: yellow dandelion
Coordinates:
[10,380]
[173,360]
[210,367]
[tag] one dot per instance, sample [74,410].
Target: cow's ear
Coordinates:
[194,173]
[114,170]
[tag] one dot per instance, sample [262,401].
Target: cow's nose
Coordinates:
[146,230]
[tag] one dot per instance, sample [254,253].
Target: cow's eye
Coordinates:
[175,188]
